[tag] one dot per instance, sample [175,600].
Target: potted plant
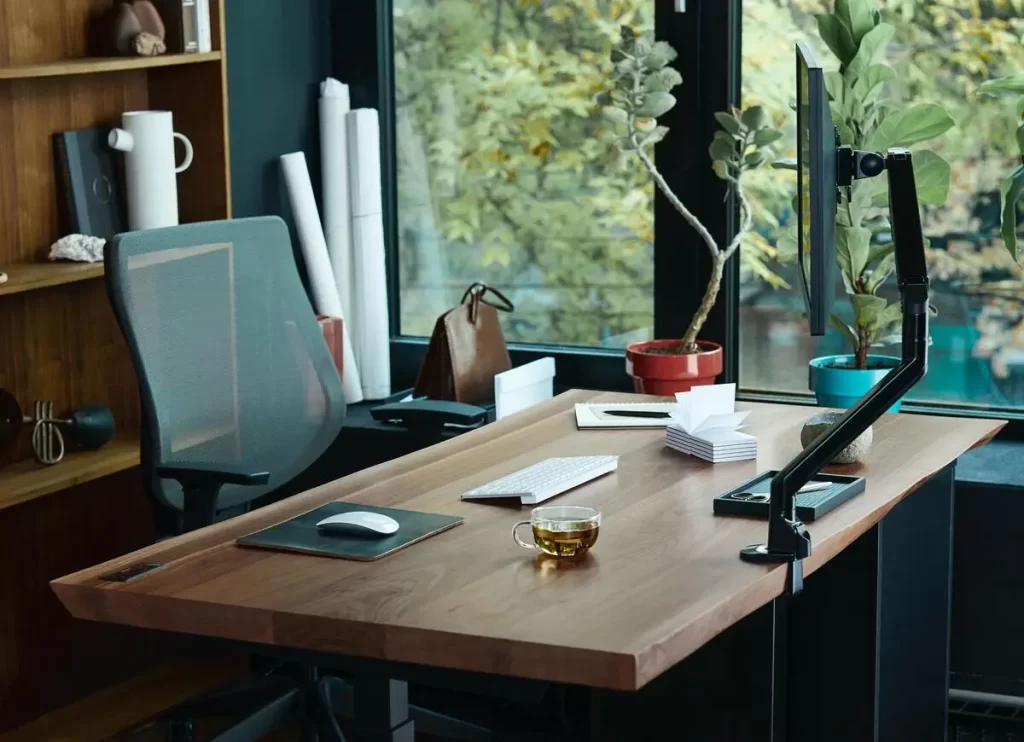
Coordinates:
[1012,187]
[640,92]
[867,120]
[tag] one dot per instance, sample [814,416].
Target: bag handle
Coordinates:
[476,294]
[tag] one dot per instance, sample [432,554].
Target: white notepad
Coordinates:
[592,415]
[705,424]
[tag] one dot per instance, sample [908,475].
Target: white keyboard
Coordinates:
[546,479]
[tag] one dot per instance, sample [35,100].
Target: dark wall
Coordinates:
[278,53]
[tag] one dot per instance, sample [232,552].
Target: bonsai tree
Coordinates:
[640,92]
[868,120]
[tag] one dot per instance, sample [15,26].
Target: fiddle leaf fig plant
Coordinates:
[1012,187]
[639,91]
[868,120]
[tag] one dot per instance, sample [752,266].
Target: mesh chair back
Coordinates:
[232,365]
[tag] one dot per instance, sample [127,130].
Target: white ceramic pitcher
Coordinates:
[147,139]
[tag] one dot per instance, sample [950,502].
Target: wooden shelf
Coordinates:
[28,480]
[93,65]
[32,276]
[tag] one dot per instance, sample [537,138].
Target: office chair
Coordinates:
[239,396]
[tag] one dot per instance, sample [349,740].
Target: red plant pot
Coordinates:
[664,374]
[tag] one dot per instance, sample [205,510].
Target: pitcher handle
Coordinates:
[187,162]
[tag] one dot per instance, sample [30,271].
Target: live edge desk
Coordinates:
[663,620]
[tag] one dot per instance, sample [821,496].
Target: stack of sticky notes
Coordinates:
[705,424]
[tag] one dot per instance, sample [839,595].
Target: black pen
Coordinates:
[649,414]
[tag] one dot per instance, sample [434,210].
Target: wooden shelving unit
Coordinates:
[28,480]
[33,276]
[59,340]
[94,65]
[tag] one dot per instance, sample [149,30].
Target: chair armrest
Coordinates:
[199,474]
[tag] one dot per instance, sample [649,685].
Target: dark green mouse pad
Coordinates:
[300,534]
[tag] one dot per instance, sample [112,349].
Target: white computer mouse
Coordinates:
[359,523]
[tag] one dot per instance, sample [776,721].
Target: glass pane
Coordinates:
[502,178]
[941,51]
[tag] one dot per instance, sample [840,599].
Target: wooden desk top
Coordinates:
[664,578]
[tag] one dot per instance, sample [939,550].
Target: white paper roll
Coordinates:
[318,265]
[334,105]
[371,334]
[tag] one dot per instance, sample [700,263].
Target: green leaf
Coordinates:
[615,114]
[882,271]
[656,104]
[911,125]
[660,55]
[721,168]
[662,80]
[848,332]
[603,99]
[871,50]
[879,252]
[755,118]
[857,16]
[837,36]
[932,175]
[890,315]
[1012,85]
[1020,139]
[835,86]
[654,137]
[870,81]
[852,247]
[867,309]
[785,163]
[767,136]
[1010,192]
[729,123]
[721,150]
[755,159]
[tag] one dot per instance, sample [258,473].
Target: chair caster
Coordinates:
[180,731]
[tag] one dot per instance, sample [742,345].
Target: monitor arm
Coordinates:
[788,539]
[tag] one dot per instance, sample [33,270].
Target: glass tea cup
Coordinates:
[561,530]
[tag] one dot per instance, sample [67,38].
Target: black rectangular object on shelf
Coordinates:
[90,180]
[809,506]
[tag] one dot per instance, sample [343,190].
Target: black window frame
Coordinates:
[363,57]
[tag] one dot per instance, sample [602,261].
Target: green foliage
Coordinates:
[1010,192]
[1012,187]
[504,173]
[858,37]
[637,95]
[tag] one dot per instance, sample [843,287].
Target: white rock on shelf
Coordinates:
[78,247]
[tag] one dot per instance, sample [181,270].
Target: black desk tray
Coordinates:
[809,506]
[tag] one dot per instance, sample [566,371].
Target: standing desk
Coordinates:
[663,624]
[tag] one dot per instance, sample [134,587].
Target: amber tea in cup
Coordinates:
[561,531]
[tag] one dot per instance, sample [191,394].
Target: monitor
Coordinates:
[817,189]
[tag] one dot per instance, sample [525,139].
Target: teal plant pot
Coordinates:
[836,383]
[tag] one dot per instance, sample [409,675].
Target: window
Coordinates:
[501,177]
[941,50]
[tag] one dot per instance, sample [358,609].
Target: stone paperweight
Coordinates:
[853,453]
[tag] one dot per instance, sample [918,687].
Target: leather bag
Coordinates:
[466,350]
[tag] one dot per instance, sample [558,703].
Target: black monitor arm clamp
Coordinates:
[788,539]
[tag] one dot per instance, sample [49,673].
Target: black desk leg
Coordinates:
[381,707]
[781,647]
[869,650]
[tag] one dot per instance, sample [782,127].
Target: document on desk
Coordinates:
[597,416]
